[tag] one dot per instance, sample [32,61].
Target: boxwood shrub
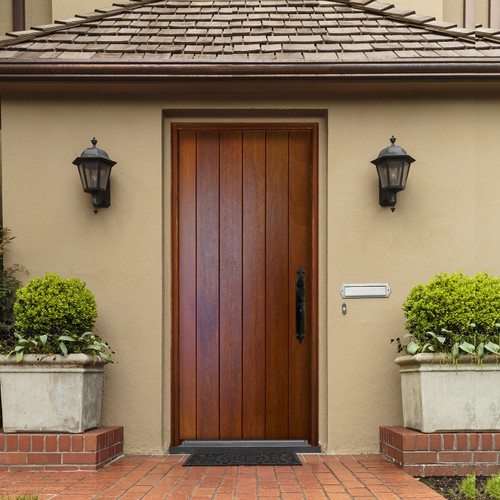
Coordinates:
[454,313]
[54,302]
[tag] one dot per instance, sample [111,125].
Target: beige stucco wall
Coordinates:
[38,12]
[483,12]
[424,7]
[445,220]
[64,9]
[5,16]
[453,11]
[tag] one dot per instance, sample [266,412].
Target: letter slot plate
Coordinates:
[365,290]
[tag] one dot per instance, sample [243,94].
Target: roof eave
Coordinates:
[155,70]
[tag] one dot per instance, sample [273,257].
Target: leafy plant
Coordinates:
[8,280]
[51,301]
[454,314]
[53,316]
[56,341]
[468,487]
[493,487]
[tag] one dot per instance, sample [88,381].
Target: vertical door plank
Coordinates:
[254,279]
[207,271]
[300,239]
[230,284]
[277,284]
[187,283]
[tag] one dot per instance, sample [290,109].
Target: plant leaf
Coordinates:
[65,337]
[480,351]
[490,346]
[466,347]
[64,349]
[412,348]
[105,357]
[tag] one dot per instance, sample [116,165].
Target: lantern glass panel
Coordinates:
[92,169]
[83,179]
[406,171]
[382,174]
[394,172]
[104,177]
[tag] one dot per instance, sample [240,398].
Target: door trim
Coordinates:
[175,128]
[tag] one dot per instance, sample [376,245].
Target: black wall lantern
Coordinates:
[393,166]
[94,167]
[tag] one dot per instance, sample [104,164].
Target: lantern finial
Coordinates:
[393,140]
[94,142]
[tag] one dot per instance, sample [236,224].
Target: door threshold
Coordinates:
[188,446]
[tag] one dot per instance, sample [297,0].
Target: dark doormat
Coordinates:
[242,458]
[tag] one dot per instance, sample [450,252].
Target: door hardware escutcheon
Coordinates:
[300,304]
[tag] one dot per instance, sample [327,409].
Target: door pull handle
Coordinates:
[300,304]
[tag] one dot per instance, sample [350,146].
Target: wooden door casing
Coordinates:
[244,213]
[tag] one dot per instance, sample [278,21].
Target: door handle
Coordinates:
[300,304]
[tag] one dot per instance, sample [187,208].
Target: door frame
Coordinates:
[175,128]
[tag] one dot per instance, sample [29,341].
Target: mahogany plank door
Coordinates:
[244,219]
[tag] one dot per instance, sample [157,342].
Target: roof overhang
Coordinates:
[447,69]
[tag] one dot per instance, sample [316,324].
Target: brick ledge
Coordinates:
[89,450]
[441,453]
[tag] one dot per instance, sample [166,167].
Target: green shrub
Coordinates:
[8,281]
[9,284]
[468,487]
[493,487]
[454,313]
[453,301]
[53,302]
[53,316]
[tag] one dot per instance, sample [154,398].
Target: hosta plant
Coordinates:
[53,316]
[454,314]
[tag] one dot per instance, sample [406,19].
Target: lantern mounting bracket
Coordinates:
[102,199]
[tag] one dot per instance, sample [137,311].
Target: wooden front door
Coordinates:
[244,212]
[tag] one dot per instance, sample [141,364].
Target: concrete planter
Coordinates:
[51,395]
[440,396]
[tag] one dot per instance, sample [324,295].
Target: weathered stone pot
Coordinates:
[51,395]
[440,396]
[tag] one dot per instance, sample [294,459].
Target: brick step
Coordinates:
[89,450]
[441,454]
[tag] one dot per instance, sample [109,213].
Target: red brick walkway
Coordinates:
[154,477]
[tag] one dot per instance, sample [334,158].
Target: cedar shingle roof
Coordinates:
[258,31]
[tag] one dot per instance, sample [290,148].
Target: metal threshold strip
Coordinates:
[244,446]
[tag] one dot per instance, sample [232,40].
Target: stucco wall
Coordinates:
[424,7]
[5,17]
[64,9]
[453,11]
[445,220]
[38,12]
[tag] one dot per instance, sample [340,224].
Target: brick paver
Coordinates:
[154,477]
